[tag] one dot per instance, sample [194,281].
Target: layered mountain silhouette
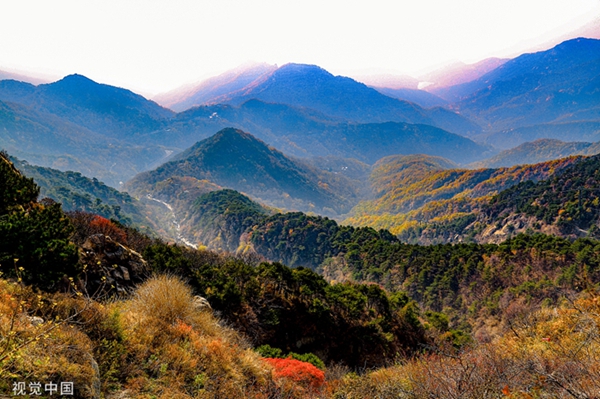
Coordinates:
[85,126]
[50,140]
[304,132]
[313,87]
[305,111]
[458,73]
[310,86]
[567,131]
[6,75]
[420,97]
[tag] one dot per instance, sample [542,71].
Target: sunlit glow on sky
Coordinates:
[152,46]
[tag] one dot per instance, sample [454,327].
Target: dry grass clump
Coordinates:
[554,353]
[42,349]
[176,349]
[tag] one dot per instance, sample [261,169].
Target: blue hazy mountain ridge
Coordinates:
[101,108]
[119,113]
[566,131]
[538,151]
[303,111]
[235,159]
[303,132]
[205,92]
[420,97]
[50,140]
[344,98]
[111,133]
[458,73]
[21,77]
[557,85]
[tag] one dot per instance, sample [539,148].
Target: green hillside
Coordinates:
[79,193]
[569,200]
[219,218]
[465,280]
[237,160]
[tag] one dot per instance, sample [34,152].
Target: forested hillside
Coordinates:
[237,160]
[76,192]
[470,282]
[569,200]
[414,190]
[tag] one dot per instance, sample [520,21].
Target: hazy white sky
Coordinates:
[152,46]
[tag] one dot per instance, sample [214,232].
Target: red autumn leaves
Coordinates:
[302,373]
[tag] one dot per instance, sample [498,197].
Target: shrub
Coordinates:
[165,299]
[270,352]
[38,343]
[108,228]
[302,373]
[172,341]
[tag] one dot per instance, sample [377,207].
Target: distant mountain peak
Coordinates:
[73,80]
[77,76]
[579,47]
[230,132]
[234,159]
[301,68]
[231,140]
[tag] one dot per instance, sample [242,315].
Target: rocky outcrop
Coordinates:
[110,266]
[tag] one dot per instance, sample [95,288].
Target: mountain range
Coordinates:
[538,151]
[291,133]
[309,86]
[553,86]
[330,226]
[88,127]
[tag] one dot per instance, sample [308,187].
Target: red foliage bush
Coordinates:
[302,373]
[104,226]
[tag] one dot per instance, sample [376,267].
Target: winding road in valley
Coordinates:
[180,237]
